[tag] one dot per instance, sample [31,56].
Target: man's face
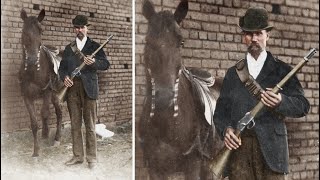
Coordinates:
[81,31]
[256,41]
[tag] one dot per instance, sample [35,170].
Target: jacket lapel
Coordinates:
[87,46]
[268,67]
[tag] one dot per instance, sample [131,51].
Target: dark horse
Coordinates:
[173,130]
[37,77]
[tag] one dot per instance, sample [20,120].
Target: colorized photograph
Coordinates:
[226,90]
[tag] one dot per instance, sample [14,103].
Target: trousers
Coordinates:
[80,107]
[247,163]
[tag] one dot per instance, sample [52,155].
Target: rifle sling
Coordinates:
[249,82]
[76,51]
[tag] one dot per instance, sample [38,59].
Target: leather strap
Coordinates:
[76,51]
[249,82]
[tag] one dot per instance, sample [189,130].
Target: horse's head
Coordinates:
[164,38]
[31,36]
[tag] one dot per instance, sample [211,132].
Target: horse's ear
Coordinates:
[41,15]
[181,11]
[23,14]
[148,9]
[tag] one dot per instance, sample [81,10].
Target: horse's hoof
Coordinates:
[35,155]
[56,143]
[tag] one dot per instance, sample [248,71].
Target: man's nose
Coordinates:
[254,37]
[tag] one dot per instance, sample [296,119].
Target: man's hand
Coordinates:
[89,60]
[270,99]
[68,82]
[231,140]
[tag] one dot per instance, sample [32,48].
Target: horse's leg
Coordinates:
[156,175]
[58,110]
[205,173]
[193,169]
[34,125]
[45,112]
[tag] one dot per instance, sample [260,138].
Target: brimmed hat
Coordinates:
[80,20]
[255,19]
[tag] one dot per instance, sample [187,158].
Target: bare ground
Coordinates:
[114,157]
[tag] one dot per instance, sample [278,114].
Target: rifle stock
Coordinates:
[219,162]
[61,94]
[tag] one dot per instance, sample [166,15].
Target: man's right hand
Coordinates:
[231,141]
[67,81]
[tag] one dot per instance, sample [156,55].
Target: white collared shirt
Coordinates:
[80,44]
[255,66]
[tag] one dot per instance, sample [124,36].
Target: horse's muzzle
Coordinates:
[32,61]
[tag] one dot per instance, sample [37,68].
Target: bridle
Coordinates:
[26,58]
[153,94]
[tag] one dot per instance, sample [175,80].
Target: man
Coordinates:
[262,151]
[83,90]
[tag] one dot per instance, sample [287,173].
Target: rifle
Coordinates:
[219,162]
[76,71]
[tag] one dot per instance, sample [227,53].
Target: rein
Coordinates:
[38,58]
[175,97]
[42,47]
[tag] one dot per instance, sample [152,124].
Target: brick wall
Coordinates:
[107,17]
[213,42]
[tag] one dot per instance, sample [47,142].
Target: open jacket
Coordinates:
[235,101]
[88,74]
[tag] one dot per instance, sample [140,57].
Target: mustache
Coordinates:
[80,34]
[254,45]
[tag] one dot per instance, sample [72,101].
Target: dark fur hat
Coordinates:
[80,20]
[255,19]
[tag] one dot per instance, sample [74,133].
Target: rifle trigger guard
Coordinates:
[251,124]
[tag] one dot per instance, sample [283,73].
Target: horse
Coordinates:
[38,78]
[173,131]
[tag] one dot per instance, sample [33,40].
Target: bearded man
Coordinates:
[262,151]
[83,90]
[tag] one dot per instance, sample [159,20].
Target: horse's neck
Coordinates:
[180,89]
[38,73]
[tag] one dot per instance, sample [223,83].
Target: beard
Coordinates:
[80,35]
[254,49]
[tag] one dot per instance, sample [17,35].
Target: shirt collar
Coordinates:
[261,59]
[255,66]
[81,43]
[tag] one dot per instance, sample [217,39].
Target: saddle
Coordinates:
[201,80]
[53,52]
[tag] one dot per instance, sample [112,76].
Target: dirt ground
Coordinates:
[114,157]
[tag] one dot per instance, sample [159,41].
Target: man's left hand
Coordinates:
[270,98]
[88,60]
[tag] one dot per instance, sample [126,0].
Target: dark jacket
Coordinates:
[235,101]
[88,74]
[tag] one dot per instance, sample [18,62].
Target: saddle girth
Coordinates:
[249,82]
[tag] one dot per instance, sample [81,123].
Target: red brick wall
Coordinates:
[213,42]
[107,17]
